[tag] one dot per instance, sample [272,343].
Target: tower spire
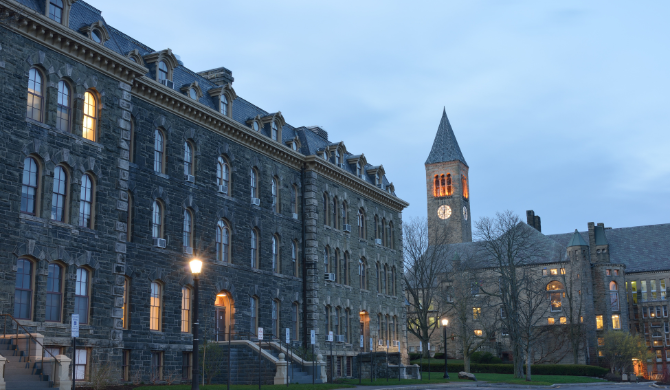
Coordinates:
[445,147]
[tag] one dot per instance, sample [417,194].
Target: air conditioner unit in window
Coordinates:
[223,189]
[339,338]
[255,201]
[190,178]
[188,250]
[159,242]
[341,165]
[295,216]
[346,228]
[381,343]
[378,241]
[329,276]
[380,186]
[168,83]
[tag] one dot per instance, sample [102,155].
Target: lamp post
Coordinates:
[196,267]
[445,322]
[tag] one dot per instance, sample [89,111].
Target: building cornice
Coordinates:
[61,39]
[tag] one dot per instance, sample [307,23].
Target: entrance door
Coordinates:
[365,330]
[220,324]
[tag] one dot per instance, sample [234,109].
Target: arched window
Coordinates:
[187,241]
[345,214]
[54,293]
[347,320]
[224,105]
[275,318]
[81,295]
[193,94]
[126,304]
[295,318]
[188,159]
[255,126]
[376,227]
[129,221]
[378,277]
[358,169]
[63,108]
[361,223]
[464,183]
[276,266]
[29,186]
[157,220]
[338,324]
[334,213]
[391,243]
[86,202]
[385,230]
[555,289]
[185,309]
[162,71]
[275,194]
[326,265]
[23,290]
[328,321]
[159,151]
[614,296]
[345,269]
[56,10]
[393,283]
[326,203]
[253,309]
[361,274]
[275,131]
[448,189]
[58,194]
[35,95]
[131,141]
[223,176]
[295,199]
[222,242]
[294,258]
[254,183]
[90,124]
[384,279]
[156,306]
[336,265]
[254,249]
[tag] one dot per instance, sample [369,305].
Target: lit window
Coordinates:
[551,321]
[35,95]
[599,323]
[157,220]
[185,310]
[616,323]
[222,241]
[90,123]
[556,291]
[56,10]
[554,271]
[633,289]
[155,307]
[159,151]
[478,332]
[476,313]
[23,289]
[464,184]
[601,341]
[562,271]
[29,186]
[86,202]
[63,107]
[563,320]
[81,295]
[54,293]
[126,304]
[601,354]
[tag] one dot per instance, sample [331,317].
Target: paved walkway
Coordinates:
[485,386]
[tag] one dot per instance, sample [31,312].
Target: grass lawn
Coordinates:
[436,377]
[437,361]
[324,386]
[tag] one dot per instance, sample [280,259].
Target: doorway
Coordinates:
[223,315]
[365,330]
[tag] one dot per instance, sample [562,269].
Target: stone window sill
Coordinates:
[159,174]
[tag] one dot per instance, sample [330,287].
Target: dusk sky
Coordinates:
[561,107]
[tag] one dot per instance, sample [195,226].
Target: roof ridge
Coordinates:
[131,39]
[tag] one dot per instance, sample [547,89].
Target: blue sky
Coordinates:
[558,106]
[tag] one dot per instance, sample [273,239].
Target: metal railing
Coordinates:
[14,334]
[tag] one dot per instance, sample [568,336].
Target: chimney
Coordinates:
[533,220]
[219,76]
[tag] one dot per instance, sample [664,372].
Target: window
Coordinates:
[479,333]
[125,365]
[275,318]
[253,309]
[81,364]
[333,210]
[188,159]
[599,323]
[663,291]
[652,284]
[377,227]
[345,269]
[476,313]
[129,221]
[616,323]
[254,249]
[392,281]
[185,310]
[464,184]
[157,220]
[96,36]
[294,258]
[553,271]
[614,296]
[551,321]
[326,265]
[556,291]
[545,272]
[275,131]
[336,266]
[131,141]
[391,243]
[186,365]
[276,267]
[384,280]
[608,272]
[162,71]
[328,328]
[23,289]
[58,195]
[345,214]
[56,10]
[326,203]
[90,123]
[616,272]
[275,195]
[254,183]
[442,185]
[156,365]
[361,274]
[155,309]
[562,271]
[633,289]
[255,126]
[81,294]
[223,176]
[126,304]
[35,95]
[378,277]
[54,293]
[338,321]
[193,94]
[187,240]
[159,151]
[222,242]
[563,320]
[224,105]
[347,320]
[29,191]
[295,199]
[295,316]
[643,287]
[63,108]
[361,223]
[86,202]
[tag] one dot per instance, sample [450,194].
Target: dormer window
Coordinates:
[294,146]
[96,36]
[255,126]
[224,95]
[376,178]
[162,64]
[358,169]
[192,93]
[162,71]
[56,10]
[97,31]
[275,131]
[338,157]
[224,105]
[192,90]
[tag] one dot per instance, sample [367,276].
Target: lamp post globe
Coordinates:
[445,322]
[196,268]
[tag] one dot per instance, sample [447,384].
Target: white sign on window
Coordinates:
[420,347]
[361,341]
[288,335]
[312,337]
[371,344]
[75,325]
[330,336]
[260,333]
[429,346]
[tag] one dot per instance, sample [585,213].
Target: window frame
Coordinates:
[91,114]
[29,292]
[253,310]
[83,201]
[254,183]
[223,174]
[64,106]
[83,319]
[159,151]
[32,185]
[275,195]
[189,158]
[129,218]
[156,306]
[223,239]
[186,307]
[276,254]
[61,8]
[187,230]
[276,311]
[255,244]
[157,219]
[60,200]
[54,293]
[36,91]
[125,319]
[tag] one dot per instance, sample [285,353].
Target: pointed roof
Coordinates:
[445,147]
[601,239]
[577,240]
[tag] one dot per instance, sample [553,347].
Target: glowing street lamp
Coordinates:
[196,268]
[445,322]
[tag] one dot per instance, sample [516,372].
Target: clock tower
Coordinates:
[447,189]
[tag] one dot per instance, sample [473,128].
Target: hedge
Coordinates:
[538,369]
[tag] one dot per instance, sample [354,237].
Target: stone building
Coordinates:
[126,165]
[617,276]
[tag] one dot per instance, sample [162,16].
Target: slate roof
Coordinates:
[83,14]
[445,147]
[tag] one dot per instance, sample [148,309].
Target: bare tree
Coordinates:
[426,268]
[532,306]
[574,307]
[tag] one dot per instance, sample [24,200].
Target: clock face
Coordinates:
[465,213]
[444,212]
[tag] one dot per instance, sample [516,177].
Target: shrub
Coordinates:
[612,377]
[415,356]
[484,358]
[537,369]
